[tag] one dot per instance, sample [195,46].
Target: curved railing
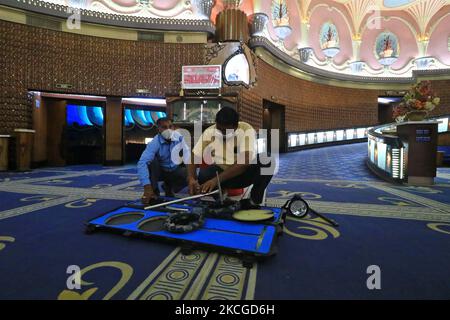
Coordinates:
[387,152]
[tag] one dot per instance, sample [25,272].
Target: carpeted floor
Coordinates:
[403,230]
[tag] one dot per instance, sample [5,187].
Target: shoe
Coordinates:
[168,191]
[247,204]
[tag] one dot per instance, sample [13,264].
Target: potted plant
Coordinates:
[417,103]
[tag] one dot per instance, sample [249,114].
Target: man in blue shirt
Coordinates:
[161,161]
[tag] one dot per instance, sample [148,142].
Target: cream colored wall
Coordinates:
[12,15]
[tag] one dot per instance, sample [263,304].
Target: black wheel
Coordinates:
[90,229]
[248,262]
[186,251]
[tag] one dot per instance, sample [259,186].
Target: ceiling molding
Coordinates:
[325,75]
[119,20]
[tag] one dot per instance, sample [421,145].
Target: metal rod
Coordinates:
[180,200]
[329,220]
[220,188]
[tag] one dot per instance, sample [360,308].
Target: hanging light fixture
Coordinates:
[281,19]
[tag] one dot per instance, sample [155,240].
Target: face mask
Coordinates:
[167,134]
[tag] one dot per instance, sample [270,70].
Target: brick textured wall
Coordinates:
[308,105]
[442,90]
[36,58]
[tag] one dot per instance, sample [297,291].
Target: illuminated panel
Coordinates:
[396,163]
[148,140]
[145,101]
[381,161]
[302,139]
[84,116]
[128,119]
[292,140]
[372,151]
[360,133]
[311,138]
[329,136]
[95,115]
[443,125]
[161,114]
[320,137]
[148,116]
[237,69]
[349,134]
[140,118]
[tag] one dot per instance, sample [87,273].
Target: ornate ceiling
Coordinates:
[368,38]
[359,38]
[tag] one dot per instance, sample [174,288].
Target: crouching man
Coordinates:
[156,163]
[230,147]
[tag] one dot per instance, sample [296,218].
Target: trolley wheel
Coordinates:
[90,229]
[186,250]
[247,262]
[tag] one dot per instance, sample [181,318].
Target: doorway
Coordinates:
[274,118]
[69,129]
[385,109]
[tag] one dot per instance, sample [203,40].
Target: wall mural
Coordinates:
[329,36]
[387,48]
[280,19]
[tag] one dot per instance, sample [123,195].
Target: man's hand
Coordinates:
[209,185]
[194,187]
[148,195]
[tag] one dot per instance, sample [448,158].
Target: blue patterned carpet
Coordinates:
[403,230]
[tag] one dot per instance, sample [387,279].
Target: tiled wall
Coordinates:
[38,59]
[309,105]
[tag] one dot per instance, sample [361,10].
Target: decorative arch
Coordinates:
[439,39]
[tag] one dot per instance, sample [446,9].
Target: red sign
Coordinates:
[202,77]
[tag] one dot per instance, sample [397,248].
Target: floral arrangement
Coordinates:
[419,100]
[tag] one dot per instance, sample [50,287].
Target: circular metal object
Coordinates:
[253,215]
[124,218]
[298,208]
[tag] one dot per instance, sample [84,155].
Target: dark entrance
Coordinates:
[274,118]
[385,109]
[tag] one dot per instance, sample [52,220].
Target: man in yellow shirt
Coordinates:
[229,148]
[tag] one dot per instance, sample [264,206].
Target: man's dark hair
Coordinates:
[158,122]
[227,116]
